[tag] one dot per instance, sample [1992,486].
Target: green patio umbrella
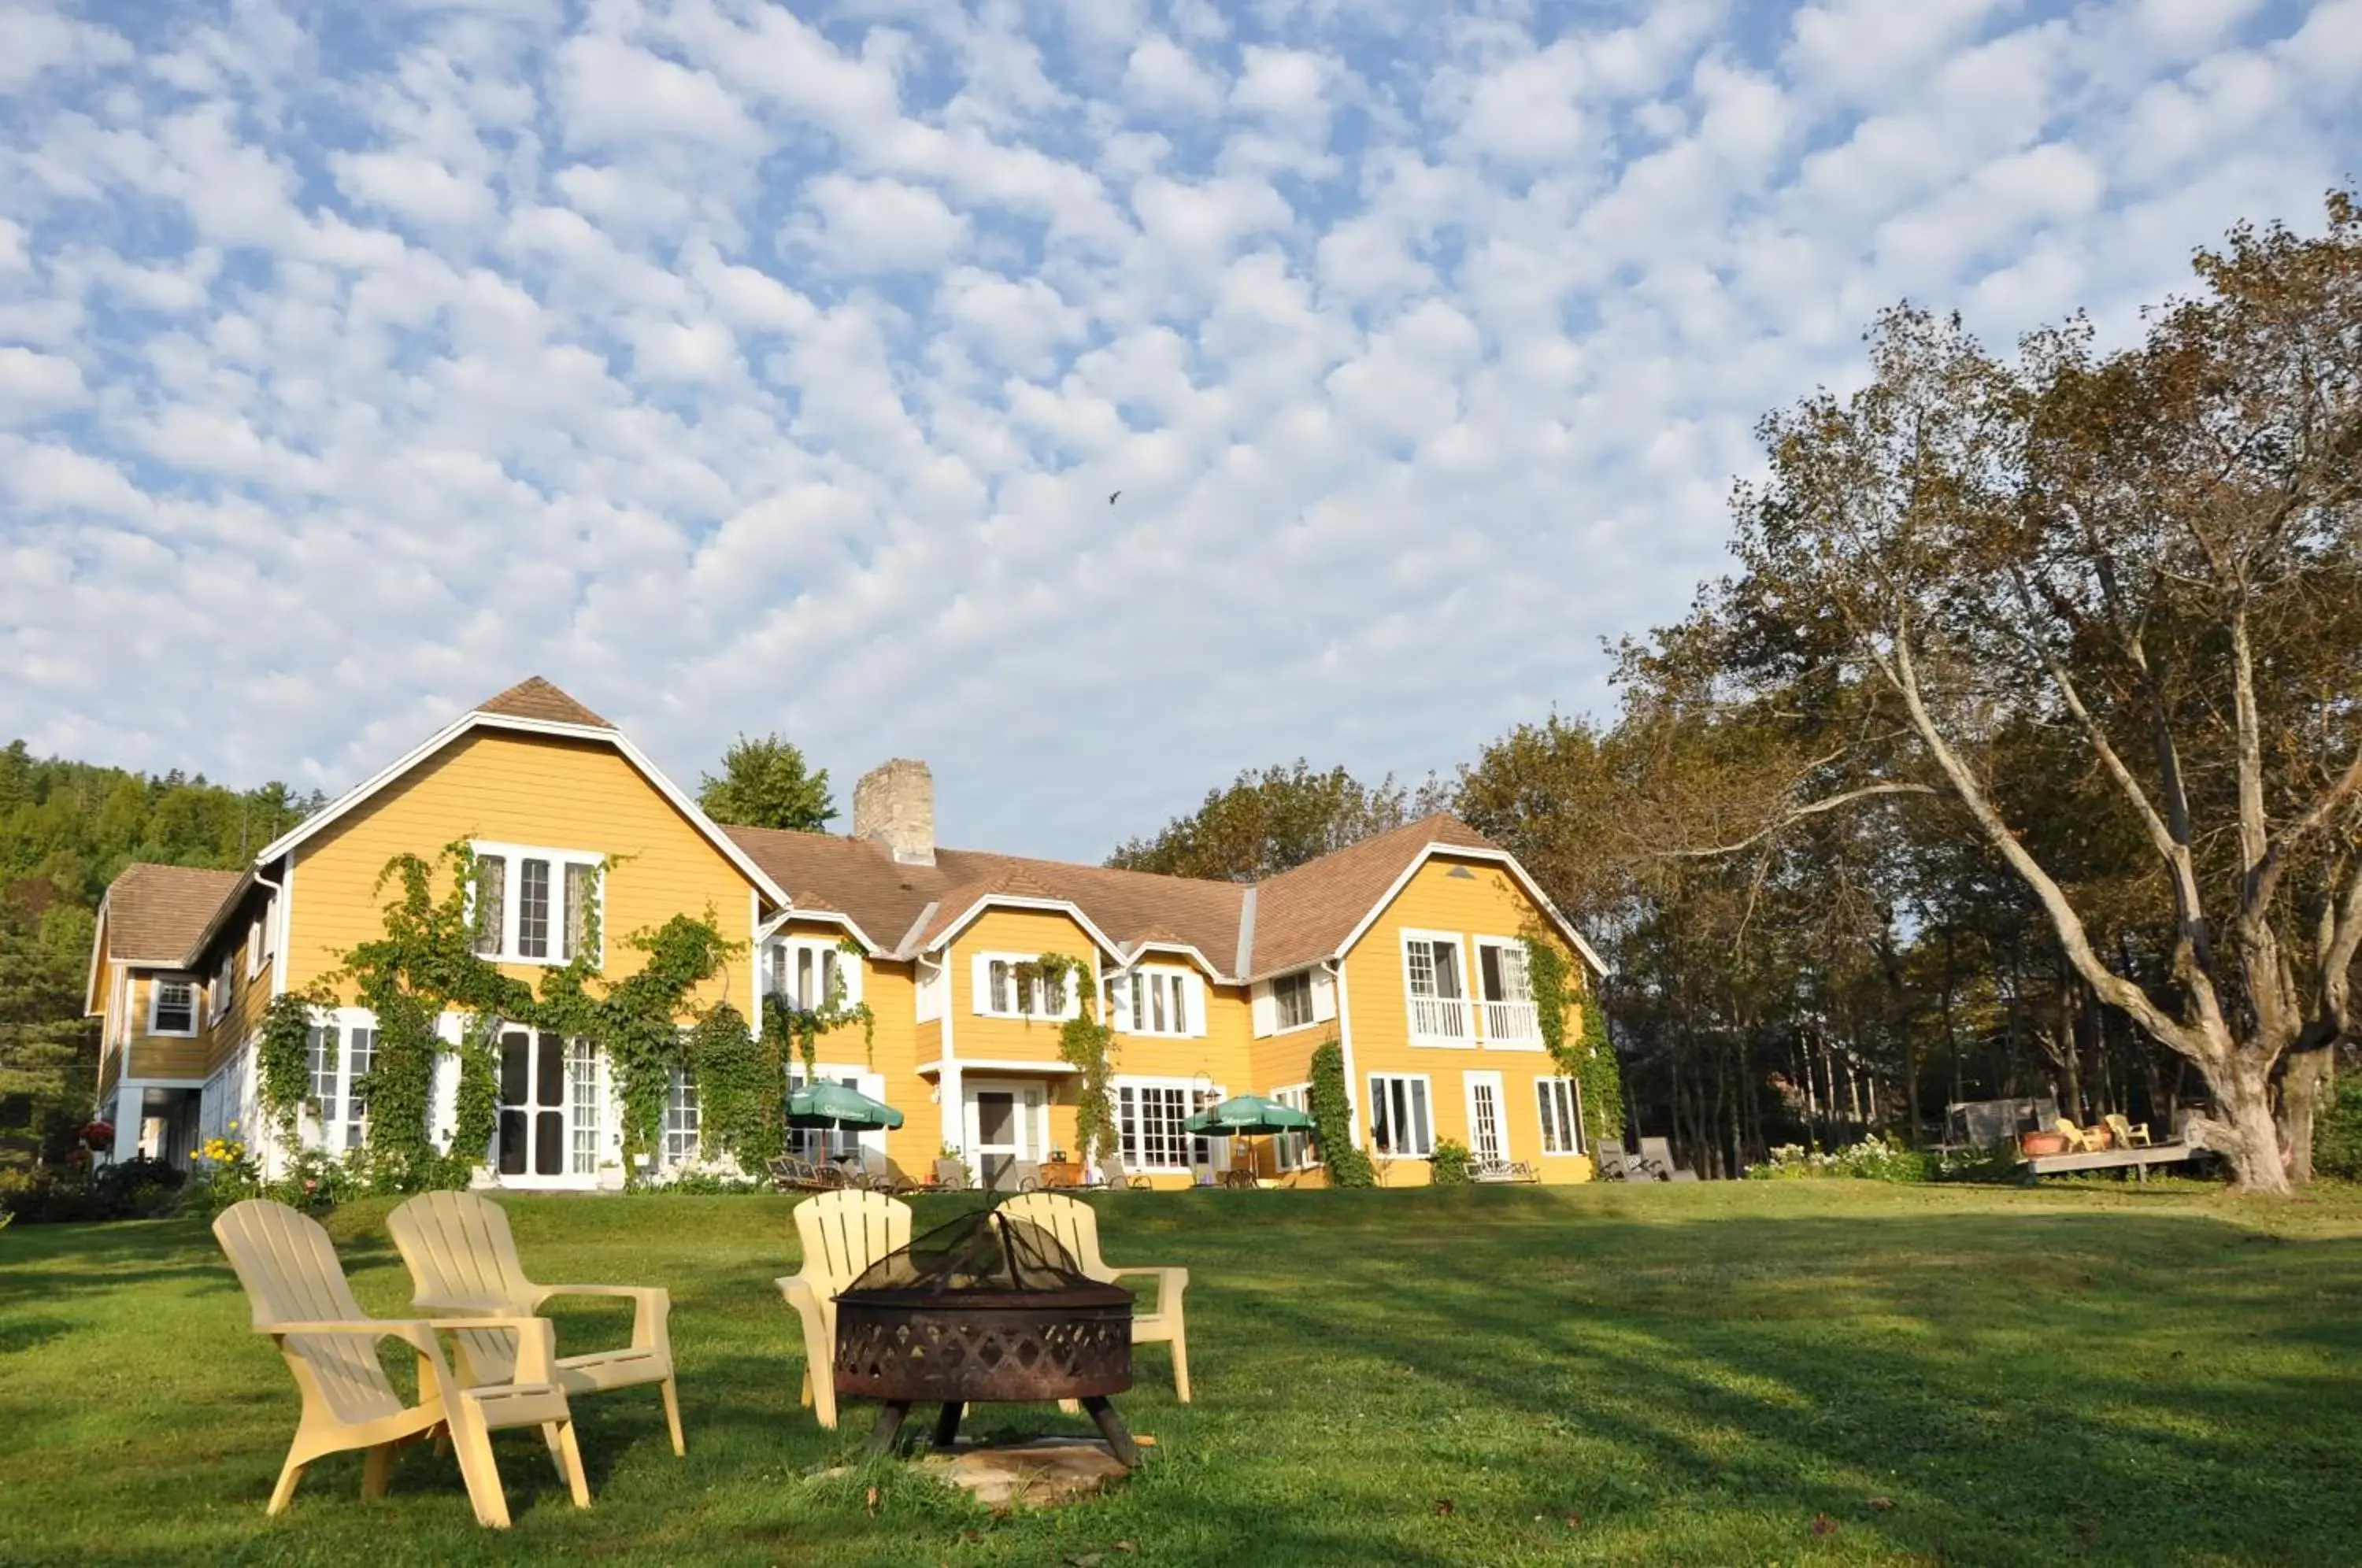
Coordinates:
[1248,1116]
[837,1108]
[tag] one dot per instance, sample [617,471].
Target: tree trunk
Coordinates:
[2304,1079]
[2243,1129]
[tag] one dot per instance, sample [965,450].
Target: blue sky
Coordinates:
[746,367]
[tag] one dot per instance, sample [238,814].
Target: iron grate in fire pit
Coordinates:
[988,1308]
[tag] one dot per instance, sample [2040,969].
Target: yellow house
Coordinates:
[1403,948]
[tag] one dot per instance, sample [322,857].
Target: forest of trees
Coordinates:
[66,828]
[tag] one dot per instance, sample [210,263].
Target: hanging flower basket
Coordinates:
[98,1136]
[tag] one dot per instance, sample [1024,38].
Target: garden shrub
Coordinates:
[128,1189]
[1449,1166]
[2337,1132]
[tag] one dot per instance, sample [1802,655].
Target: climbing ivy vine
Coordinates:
[1087,1043]
[1553,977]
[1332,1119]
[424,965]
[283,1058]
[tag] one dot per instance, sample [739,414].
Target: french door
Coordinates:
[1485,1140]
[549,1110]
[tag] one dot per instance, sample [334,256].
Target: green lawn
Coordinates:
[1783,1373]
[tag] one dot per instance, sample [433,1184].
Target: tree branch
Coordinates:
[1812,808]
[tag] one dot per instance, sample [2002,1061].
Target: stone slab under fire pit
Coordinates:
[1029,1472]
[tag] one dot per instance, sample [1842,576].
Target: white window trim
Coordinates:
[1468,1005]
[256,942]
[1311,1002]
[513,899]
[1193,985]
[1484,1019]
[1575,1093]
[1311,1160]
[1427,1083]
[222,989]
[156,984]
[344,1020]
[1218,1149]
[980,981]
[848,964]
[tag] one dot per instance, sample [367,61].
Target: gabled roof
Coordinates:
[884,897]
[1313,912]
[533,706]
[155,915]
[534,698]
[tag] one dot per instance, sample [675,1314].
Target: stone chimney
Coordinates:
[895,804]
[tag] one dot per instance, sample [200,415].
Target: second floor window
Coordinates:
[807,973]
[1011,986]
[1154,1002]
[1291,999]
[1432,972]
[173,1010]
[536,906]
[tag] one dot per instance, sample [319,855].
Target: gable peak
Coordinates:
[534,698]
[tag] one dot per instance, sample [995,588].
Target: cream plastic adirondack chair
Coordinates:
[1075,1224]
[843,1234]
[463,1260]
[299,1297]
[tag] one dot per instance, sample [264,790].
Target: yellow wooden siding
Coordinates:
[1024,933]
[161,1055]
[531,789]
[1486,902]
[250,999]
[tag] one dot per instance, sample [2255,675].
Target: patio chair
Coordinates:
[299,1297]
[843,1234]
[1616,1163]
[792,1173]
[951,1175]
[2130,1134]
[1075,1225]
[1021,1176]
[2078,1140]
[462,1260]
[1658,1153]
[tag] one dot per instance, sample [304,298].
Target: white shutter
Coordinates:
[1266,1014]
[848,968]
[980,980]
[1324,997]
[1196,988]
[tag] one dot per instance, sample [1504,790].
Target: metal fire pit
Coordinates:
[1027,1330]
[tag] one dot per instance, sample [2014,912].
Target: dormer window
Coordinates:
[809,972]
[1155,1002]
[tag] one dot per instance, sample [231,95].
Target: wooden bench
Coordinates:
[1504,1170]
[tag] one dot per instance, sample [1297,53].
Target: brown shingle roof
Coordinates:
[534,698]
[1303,915]
[1306,913]
[155,913]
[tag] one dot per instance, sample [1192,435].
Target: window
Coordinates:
[582,1083]
[1398,1118]
[492,905]
[1561,1103]
[1294,1151]
[341,1060]
[1291,996]
[1154,1002]
[1439,1008]
[1151,1123]
[1009,985]
[173,1007]
[1510,1017]
[680,1119]
[224,991]
[806,972]
[537,906]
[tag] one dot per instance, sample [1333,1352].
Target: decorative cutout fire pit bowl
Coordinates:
[986,1308]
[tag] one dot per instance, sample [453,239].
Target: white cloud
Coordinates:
[866,227]
[743,371]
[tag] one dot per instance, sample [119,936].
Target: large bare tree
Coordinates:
[2149,561]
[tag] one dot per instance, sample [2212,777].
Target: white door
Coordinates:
[546,1098]
[1002,1130]
[1486,1140]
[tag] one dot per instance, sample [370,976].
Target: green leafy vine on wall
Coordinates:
[425,964]
[1087,1043]
[282,1059]
[1332,1119]
[1554,978]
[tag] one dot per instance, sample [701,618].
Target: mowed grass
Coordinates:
[1808,1373]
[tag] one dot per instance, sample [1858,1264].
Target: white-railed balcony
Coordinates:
[1512,1023]
[1442,1018]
